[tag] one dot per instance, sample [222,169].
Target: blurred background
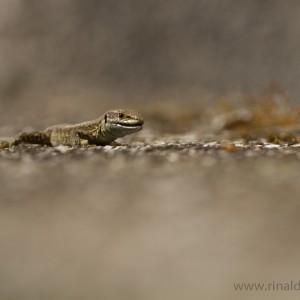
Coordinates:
[72,57]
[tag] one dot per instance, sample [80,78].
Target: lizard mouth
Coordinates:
[129,125]
[138,124]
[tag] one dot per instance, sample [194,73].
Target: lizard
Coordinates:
[101,131]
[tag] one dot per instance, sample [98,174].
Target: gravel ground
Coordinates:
[168,218]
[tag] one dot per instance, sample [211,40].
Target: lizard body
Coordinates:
[101,131]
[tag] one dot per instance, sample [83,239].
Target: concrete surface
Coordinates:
[160,218]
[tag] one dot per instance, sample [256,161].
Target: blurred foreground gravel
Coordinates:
[167,218]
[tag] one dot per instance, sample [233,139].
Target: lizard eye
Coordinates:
[121,115]
[105,118]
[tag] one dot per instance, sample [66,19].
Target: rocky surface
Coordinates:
[177,217]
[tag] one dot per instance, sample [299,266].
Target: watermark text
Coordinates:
[274,286]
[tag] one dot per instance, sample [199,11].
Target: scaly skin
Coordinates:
[102,131]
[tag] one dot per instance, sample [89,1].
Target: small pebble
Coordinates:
[62,149]
[272,146]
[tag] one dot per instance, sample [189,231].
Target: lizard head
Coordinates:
[122,122]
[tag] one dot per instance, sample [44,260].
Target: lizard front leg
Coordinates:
[67,137]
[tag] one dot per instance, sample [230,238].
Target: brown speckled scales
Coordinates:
[36,137]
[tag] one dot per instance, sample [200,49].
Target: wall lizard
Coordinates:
[101,131]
